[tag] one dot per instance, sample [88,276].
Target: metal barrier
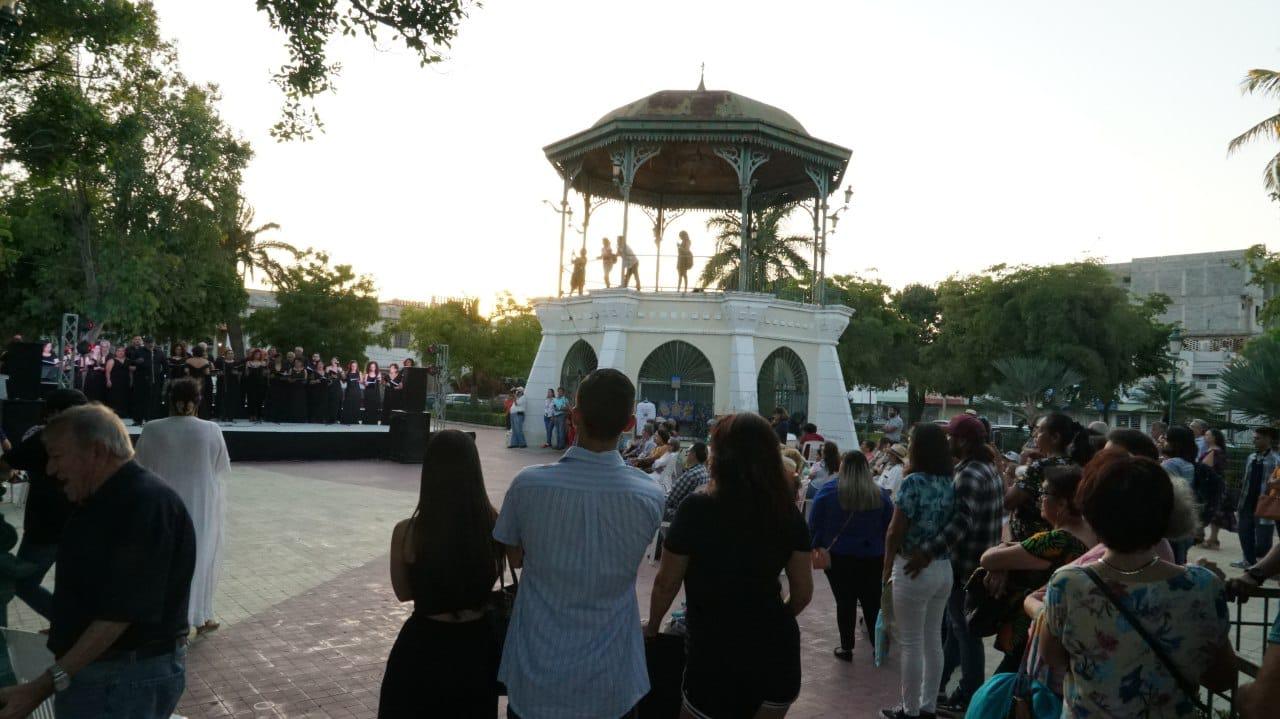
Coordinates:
[1244,665]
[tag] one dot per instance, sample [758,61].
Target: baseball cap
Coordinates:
[967,427]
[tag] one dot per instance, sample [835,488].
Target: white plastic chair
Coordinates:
[810,450]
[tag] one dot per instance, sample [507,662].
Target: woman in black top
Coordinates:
[372,393]
[278,390]
[333,406]
[394,398]
[118,383]
[230,398]
[445,661]
[317,393]
[95,375]
[199,367]
[353,394]
[297,379]
[255,383]
[727,547]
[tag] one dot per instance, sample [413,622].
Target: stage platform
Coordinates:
[267,441]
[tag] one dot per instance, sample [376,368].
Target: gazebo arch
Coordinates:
[578,363]
[783,382]
[679,380]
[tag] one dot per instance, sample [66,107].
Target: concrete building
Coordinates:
[700,354]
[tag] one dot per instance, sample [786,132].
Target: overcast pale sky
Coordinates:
[982,132]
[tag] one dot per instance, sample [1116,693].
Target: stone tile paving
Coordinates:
[309,616]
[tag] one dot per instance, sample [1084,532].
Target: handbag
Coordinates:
[1268,505]
[1191,690]
[983,612]
[884,624]
[498,609]
[820,557]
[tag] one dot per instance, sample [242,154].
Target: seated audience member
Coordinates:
[693,478]
[891,477]
[642,445]
[849,518]
[574,647]
[811,434]
[1111,669]
[727,547]
[665,467]
[868,449]
[657,447]
[825,470]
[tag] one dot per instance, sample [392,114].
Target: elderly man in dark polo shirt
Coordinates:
[122,579]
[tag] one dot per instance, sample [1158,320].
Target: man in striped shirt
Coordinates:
[579,528]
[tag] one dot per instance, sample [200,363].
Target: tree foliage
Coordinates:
[1030,386]
[1267,84]
[1189,402]
[1075,314]
[322,309]
[1250,385]
[122,173]
[774,257]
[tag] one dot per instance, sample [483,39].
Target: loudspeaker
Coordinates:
[414,389]
[407,438]
[17,416]
[22,364]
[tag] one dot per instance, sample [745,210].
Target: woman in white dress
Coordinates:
[190,455]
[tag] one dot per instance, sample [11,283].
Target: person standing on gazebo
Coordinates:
[607,258]
[684,262]
[630,265]
[578,279]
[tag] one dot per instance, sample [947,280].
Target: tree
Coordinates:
[1266,83]
[1155,391]
[872,345]
[516,335]
[250,254]
[919,307]
[123,169]
[1075,314]
[774,257]
[1027,386]
[322,309]
[51,31]
[1249,383]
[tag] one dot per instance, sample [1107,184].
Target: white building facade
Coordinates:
[699,355]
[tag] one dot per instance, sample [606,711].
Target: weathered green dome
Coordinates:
[710,105]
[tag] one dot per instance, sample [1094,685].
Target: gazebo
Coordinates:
[706,150]
[700,354]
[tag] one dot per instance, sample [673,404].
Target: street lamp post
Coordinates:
[1175,352]
[817,293]
[565,213]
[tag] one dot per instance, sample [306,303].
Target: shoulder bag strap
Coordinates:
[842,528]
[1191,690]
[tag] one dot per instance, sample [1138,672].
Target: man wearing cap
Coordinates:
[974,528]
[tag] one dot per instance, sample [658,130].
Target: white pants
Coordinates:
[918,607]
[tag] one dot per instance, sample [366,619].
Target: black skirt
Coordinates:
[372,403]
[441,669]
[278,400]
[297,402]
[351,403]
[730,673]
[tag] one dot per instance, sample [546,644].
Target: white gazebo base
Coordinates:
[733,337]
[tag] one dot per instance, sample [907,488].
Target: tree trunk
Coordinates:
[81,226]
[235,329]
[915,404]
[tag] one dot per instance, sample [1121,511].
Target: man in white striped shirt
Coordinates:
[579,528]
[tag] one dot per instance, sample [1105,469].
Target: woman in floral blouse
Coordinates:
[1111,670]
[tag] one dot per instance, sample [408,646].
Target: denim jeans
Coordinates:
[29,590]
[517,430]
[126,688]
[549,425]
[962,649]
[1255,537]
[562,436]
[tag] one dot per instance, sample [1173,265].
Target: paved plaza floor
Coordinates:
[308,616]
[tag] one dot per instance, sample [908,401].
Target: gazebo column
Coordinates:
[821,177]
[744,160]
[568,171]
[626,162]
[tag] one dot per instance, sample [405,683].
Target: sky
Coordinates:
[982,132]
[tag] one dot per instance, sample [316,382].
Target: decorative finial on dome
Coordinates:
[702,85]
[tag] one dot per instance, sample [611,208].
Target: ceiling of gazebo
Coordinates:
[687,127]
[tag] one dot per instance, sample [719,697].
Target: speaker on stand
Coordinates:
[22,364]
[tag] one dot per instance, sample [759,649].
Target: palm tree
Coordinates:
[774,257]
[1263,82]
[1249,384]
[1154,393]
[251,254]
[1028,385]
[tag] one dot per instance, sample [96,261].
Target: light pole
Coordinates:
[565,213]
[817,293]
[1175,352]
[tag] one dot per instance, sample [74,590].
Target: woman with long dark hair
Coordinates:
[230,398]
[727,547]
[444,559]
[849,519]
[1061,441]
[333,374]
[394,392]
[297,379]
[95,374]
[925,503]
[317,392]
[200,368]
[372,393]
[1215,458]
[353,395]
[278,387]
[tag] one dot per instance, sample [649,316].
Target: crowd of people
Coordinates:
[1066,553]
[266,385]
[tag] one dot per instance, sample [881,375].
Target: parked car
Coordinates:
[457,399]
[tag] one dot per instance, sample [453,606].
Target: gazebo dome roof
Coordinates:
[701,104]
